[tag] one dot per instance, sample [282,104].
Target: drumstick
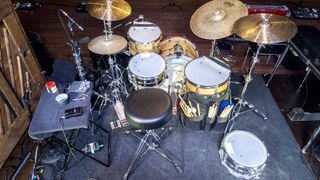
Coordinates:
[198,107]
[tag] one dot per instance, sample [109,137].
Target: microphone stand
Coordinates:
[74,44]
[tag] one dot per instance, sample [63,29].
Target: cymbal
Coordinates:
[215,19]
[265,28]
[120,9]
[103,46]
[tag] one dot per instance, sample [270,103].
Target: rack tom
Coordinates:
[144,37]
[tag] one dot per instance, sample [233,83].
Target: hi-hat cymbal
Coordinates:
[215,19]
[103,46]
[265,28]
[120,9]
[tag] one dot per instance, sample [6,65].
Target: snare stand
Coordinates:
[241,101]
[214,49]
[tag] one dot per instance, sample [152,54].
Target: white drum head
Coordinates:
[147,65]
[205,72]
[245,148]
[144,32]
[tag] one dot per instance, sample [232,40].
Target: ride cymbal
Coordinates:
[215,19]
[107,46]
[265,28]
[119,10]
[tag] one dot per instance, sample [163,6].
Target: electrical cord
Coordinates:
[69,147]
[307,164]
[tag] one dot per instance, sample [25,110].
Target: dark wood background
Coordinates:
[172,21]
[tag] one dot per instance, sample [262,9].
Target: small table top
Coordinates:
[48,116]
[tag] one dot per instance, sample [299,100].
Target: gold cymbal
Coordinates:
[265,28]
[120,9]
[215,19]
[103,46]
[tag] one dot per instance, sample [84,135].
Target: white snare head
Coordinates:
[144,32]
[205,72]
[147,65]
[245,148]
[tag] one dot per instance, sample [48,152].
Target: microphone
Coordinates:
[71,21]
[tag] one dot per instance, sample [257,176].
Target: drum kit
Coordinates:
[174,65]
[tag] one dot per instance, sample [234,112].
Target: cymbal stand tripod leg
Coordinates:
[241,101]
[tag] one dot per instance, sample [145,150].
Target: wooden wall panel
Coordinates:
[16,60]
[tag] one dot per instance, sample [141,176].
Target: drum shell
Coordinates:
[137,47]
[145,82]
[167,47]
[217,91]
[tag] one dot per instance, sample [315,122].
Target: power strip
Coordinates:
[305,13]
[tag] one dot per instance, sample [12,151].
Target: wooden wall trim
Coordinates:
[17,130]
[6,8]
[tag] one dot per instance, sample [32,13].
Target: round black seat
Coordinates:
[148,108]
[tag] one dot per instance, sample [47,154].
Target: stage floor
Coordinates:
[197,151]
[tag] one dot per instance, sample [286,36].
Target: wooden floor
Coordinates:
[172,21]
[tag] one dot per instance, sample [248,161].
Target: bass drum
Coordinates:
[243,154]
[208,77]
[177,52]
[144,37]
[146,70]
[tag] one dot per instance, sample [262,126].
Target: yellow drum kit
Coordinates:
[174,64]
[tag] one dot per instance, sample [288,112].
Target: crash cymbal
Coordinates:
[265,28]
[120,9]
[112,45]
[215,19]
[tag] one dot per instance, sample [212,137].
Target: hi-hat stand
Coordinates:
[117,88]
[241,100]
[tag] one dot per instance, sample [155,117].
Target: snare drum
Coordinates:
[144,37]
[146,69]
[243,154]
[177,51]
[206,76]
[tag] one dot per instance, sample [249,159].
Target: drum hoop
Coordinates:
[146,78]
[234,131]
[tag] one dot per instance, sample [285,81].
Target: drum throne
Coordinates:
[147,110]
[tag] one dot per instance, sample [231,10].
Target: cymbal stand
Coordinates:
[214,49]
[241,101]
